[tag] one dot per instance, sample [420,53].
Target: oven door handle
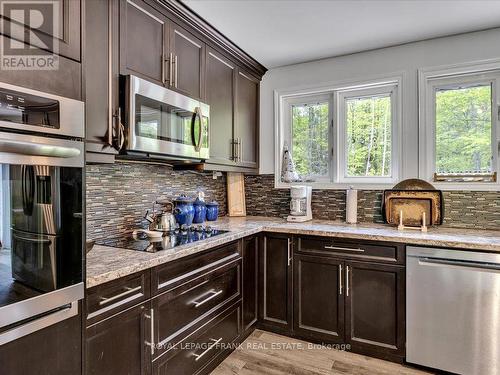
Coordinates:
[37,324]
[37,149]
[197,115]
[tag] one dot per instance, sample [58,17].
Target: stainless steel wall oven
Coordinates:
[41,201]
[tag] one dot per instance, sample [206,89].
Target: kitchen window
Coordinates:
[459,127]
[367,128]
[308,138]
[344,136]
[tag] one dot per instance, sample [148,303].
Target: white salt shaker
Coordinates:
[351,206]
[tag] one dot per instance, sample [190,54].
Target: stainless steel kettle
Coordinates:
[166,221]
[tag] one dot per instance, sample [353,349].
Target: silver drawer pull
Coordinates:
[197,357]
[356,250]
[212,295]
[106,300]
[151,318]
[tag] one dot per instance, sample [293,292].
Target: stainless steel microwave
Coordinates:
[162,122]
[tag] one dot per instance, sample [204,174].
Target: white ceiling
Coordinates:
[283,32]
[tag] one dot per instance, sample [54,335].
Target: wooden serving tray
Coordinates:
[413,203]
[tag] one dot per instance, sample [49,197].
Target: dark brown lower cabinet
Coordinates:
[319,298]
[250,281]
[275,277]
[202,351]
[179,311]
[119,344]
[54,350]
[375,308]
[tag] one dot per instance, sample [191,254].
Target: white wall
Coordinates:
[404,59]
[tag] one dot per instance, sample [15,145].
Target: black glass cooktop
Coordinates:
[170,240]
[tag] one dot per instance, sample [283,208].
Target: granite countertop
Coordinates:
[108,263]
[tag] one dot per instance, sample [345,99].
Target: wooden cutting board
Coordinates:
[236,194]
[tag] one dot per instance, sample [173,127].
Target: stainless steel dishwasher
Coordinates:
[453,310]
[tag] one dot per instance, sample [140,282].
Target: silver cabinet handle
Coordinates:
[289,253]
[357,250]
[163,66]
[106,300]
[347,281]
[212,295]
[119,136]
[240,149]
[176,70]
[238,144]
[166,78]
[233,149]
[171,68]
[152,328]
[197,357]
[340,279]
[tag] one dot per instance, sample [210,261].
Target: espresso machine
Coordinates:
[300,204]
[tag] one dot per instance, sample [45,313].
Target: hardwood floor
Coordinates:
[269,353]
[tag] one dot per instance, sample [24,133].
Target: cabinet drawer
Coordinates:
[384,252]
[204,349]
[117,295]
[173,274]
[177,312]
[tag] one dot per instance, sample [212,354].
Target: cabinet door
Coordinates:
[319,298]
[143,41]
[60,34]
[375,308]
[220,84]
[65,81]
[247,119]
[118,345]
[101,83]
[276,283]
[188,54]
[250,279]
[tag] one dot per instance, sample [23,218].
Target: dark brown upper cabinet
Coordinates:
[62,36]
[187,59]
[275,277]
[375,308]
[233,96]
[319,298]
[220,86]
[143,41]
[155,48]
[101,95]
[247,120]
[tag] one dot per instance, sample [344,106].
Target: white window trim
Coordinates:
[281,128]
[428,80]
[341,134]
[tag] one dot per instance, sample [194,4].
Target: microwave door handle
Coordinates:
[197,143]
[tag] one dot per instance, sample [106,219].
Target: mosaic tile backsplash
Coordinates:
[118,195]
[463,209]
